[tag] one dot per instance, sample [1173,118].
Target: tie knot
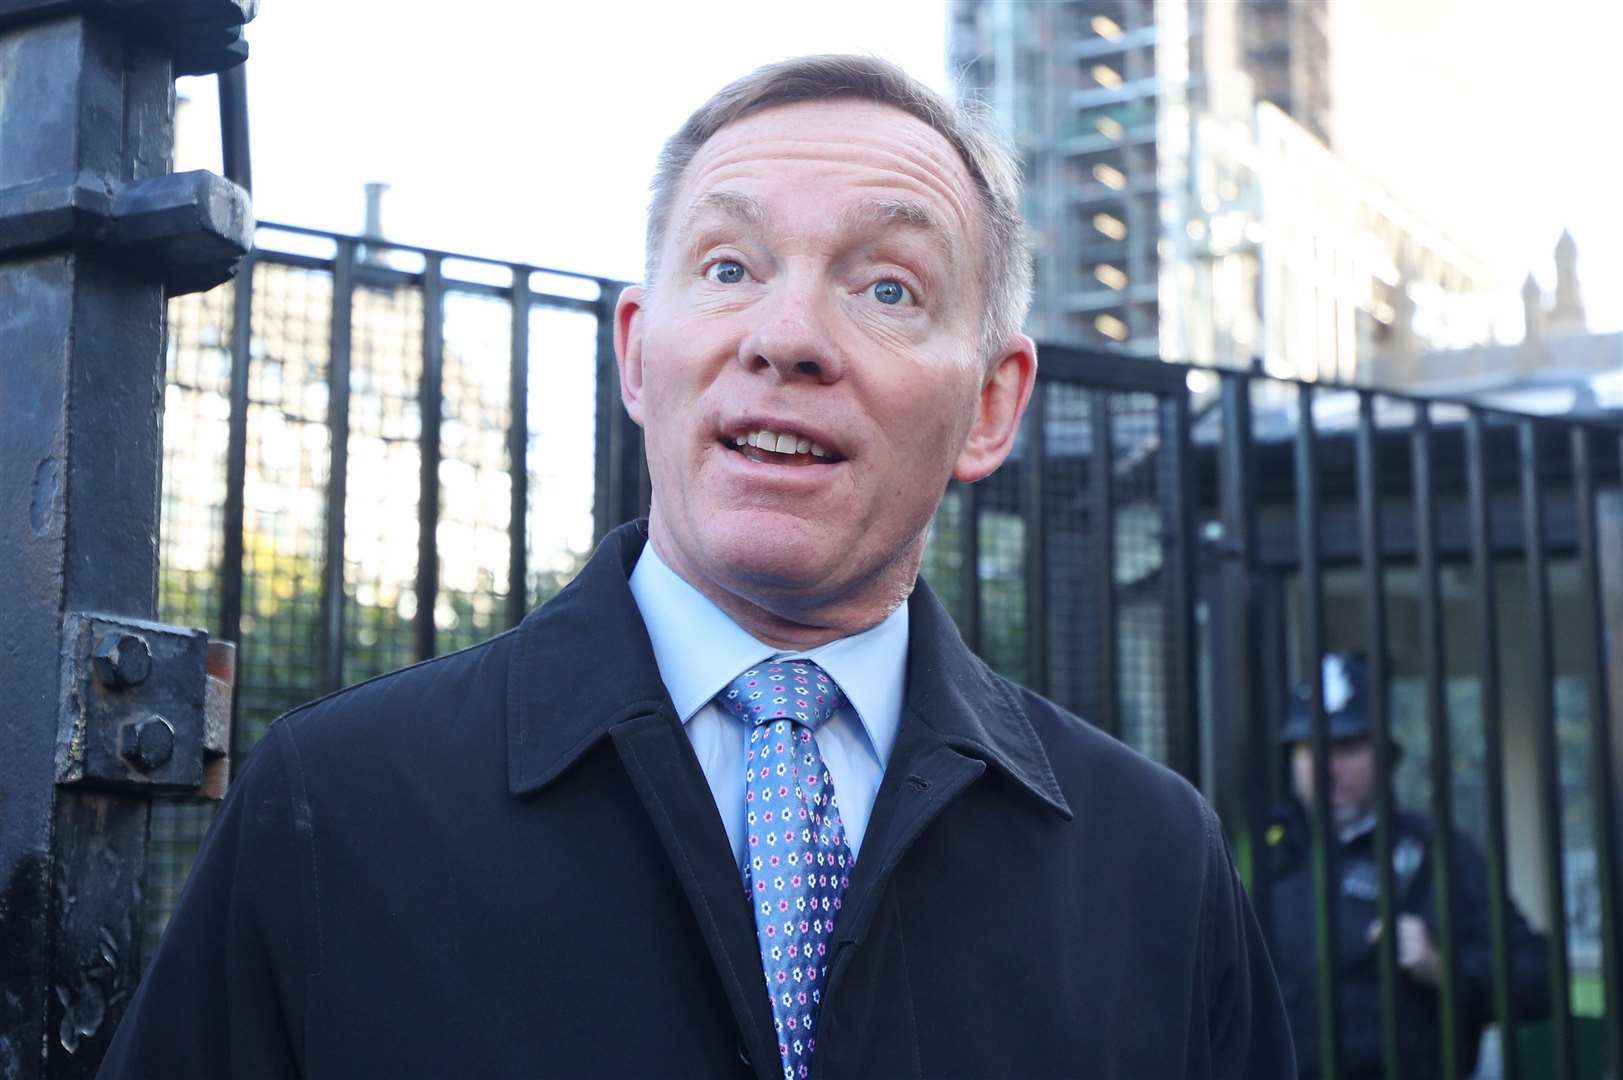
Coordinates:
[796,690]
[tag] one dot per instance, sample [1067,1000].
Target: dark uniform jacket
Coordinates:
[506,862]
[1357,902]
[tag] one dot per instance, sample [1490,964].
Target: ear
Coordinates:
[1003,400]
[628,325]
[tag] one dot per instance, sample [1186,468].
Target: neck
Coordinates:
[796,619]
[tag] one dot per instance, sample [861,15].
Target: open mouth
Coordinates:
[780,448]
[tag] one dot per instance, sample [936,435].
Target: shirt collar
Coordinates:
[953,702]
[699,649]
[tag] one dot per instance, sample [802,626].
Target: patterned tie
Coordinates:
[796,864]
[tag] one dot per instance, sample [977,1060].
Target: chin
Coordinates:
[769,550]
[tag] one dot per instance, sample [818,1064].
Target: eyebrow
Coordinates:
[728,204]
[866,214]
[900,213]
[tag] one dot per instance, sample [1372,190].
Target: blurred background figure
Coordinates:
[1289,862]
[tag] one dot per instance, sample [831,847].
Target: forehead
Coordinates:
[844,147]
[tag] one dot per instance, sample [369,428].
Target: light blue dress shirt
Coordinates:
[699,650]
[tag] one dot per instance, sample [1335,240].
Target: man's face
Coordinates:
[819,281]
[1352,778]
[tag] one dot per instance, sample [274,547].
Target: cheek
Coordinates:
[675,373]
[932,408]
[1302,771]
[1364,775]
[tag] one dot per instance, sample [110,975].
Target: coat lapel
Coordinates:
[593,633]
[666,775]
[958,721]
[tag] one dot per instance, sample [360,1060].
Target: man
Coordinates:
[739,801]
[1353,791]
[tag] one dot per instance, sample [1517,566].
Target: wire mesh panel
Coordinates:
[380,514]
[943,554]
[562,437]
[475,496]
[1574,715]
[1138,558]
[1001,570]
[1087,612]
[1072,634]
[290,351]
[196,417]
[283,494]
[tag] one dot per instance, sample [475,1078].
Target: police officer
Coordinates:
[1353,789]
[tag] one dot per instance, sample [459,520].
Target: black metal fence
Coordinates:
[1167,552]
[372,454]
[1464,546]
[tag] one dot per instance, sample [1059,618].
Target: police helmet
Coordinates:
[1346,701]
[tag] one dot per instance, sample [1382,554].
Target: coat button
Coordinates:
[744,1055]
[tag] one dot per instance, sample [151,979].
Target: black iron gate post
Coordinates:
[94,233]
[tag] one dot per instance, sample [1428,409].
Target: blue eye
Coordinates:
[889,291]
[726,271]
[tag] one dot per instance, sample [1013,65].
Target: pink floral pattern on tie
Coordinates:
[797,865]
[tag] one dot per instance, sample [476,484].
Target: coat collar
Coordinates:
[584,664]
[952,692]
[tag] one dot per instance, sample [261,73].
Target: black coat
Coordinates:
[1292,937]
[506,862]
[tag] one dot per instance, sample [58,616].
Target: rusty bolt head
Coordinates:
[148,743]
[122,660]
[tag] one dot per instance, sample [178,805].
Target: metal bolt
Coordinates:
[122,660]
[148,743]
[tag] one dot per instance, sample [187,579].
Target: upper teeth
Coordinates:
[780,443]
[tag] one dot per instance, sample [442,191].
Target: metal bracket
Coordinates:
[144,706]
[189,229]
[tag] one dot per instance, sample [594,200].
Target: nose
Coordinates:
[791,338]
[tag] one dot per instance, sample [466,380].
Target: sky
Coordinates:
[1499,118]
[516,130]
[528,131]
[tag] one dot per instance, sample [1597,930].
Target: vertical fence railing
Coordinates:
[330,675]
[1480,494]
[518,450]
[236,470]
[1541,651]
[1102,561]
[1180,635]
[969,557]
[1608,812]
[1239,613]
[1311,577]
[622,490]
[1434,663]
[1371,542]
[1034,495]
[430,405]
